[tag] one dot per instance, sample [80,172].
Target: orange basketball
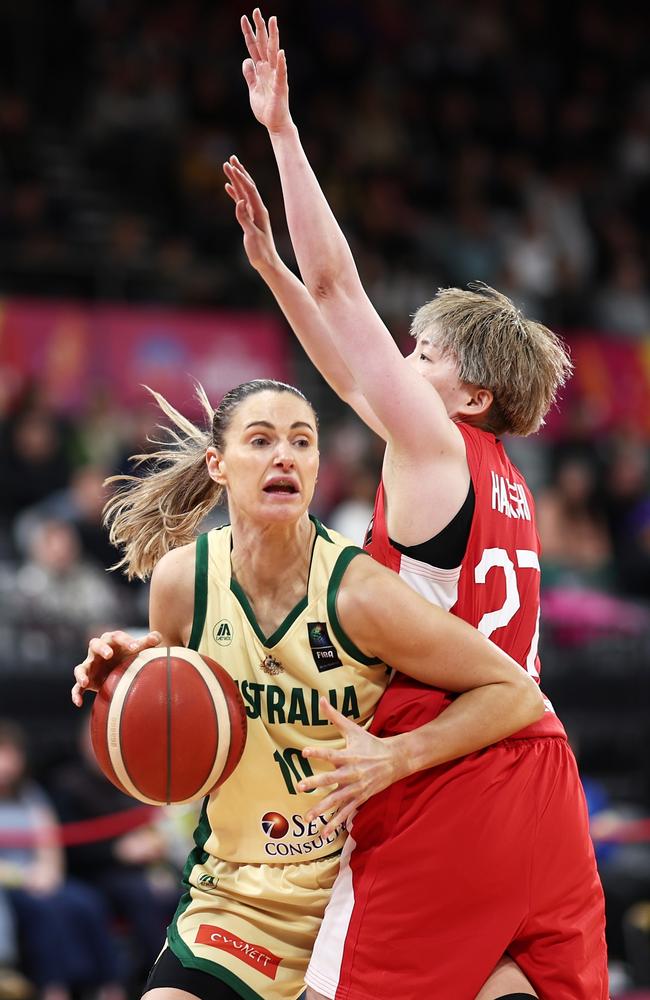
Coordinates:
[168,725]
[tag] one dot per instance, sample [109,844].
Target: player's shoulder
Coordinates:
[175,565]
[365,585]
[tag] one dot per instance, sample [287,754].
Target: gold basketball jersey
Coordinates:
[257,815]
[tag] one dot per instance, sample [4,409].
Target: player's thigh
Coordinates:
[506,978]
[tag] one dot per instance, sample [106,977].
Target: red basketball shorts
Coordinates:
[450,868]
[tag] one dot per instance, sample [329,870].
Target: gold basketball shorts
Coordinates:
[253,926]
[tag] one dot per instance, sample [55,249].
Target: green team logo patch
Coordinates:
[322,648]
[222,632]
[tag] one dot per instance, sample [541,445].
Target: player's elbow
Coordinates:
[529,699]
[325,285]
[334,283]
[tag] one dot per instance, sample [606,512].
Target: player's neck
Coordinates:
[272,559]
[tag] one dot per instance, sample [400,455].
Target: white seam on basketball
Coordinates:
[113,723]
[118,699]
[223,718]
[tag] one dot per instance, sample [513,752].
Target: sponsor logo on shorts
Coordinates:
[306,837]
[207,880]
[222,632]
[255,955]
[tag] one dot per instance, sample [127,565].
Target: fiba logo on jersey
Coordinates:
[275,825]
[222,632]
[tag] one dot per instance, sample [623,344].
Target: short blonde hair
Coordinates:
[496,347]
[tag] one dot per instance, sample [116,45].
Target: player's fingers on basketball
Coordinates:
[81,674]
[99,648]
[77,695]
[249,38]
[261,34]
[151,639]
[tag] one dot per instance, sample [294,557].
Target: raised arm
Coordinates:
[300,310]
[328,269]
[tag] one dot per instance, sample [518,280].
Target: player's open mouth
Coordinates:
[284,487]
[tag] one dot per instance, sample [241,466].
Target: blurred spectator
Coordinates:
[33,458]
[62,923]
[128,170]
[56,583]
[623,304]
[13,985]
[130,870]
[352,515]
[626,498]
[576,547]
[79,505]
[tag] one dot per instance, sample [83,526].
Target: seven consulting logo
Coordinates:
[275,825]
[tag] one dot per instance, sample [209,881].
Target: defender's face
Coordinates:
[270,460]
[440,371]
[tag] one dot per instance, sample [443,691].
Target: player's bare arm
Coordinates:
[498,697]
[300,310]
[171,606]
[171,595]
[409,408]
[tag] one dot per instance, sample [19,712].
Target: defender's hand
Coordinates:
[252,214]
[104,654]
[266,73]
[366,766]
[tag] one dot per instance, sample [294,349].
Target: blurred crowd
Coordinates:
[458,140]
[455,139]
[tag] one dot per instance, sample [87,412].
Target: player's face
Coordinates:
[269,463]
[440,370]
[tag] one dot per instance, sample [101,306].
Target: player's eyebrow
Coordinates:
[267,423]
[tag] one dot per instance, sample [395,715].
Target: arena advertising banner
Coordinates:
[609,389]
[75,350]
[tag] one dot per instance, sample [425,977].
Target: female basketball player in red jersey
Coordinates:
[254,894]
[455,518]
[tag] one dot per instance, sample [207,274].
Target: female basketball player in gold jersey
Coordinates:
[312,623]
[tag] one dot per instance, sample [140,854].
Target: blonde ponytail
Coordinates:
[162,508]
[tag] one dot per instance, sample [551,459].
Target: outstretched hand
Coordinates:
[265,72]
[252,214]
[106,652]
[366,766]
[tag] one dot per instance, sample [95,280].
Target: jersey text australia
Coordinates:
[256,816]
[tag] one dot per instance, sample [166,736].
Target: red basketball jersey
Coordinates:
[496,588]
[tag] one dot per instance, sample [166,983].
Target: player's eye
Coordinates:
[423,357]
[259,442]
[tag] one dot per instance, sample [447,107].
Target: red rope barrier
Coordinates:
[83,831]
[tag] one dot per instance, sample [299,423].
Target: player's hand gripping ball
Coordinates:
[168,725]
